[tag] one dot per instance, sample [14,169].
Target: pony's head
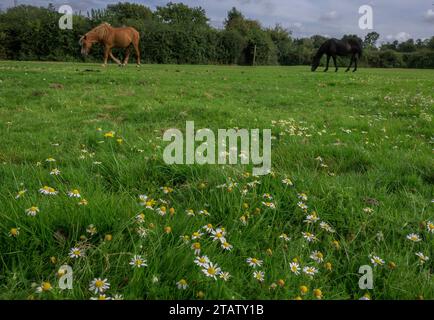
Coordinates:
[315,62]
[85,44]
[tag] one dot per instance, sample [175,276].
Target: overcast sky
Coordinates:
[393,19]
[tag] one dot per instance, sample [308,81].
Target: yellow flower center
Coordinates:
[46,286]
[99,283]
[211,271]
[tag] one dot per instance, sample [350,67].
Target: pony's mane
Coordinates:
[101,31]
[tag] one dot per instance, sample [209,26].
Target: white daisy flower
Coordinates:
[287,181]
[218,235]
[284,236]
[259,275]
[202,261]
[48,191]
[196,235]
[44,287]
[225,276]
[377,261]
[208,228]
[74,194]
[76,253]
[99,285]
[422,258]
[302,206]
[294,267]
[414,237]
[430,226]
[310,237]
[325,226]
[253,262]
[227,246]
[311,271]
[182,284]
[211,270]
[317,256]
[101,297]
[55,172]
[32,211]
[20,193]
[138,262]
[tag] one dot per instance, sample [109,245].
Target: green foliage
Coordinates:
[177,33]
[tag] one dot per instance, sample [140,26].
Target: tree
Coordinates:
[407,46]
[180,15]
[371,40]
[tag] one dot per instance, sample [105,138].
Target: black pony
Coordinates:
[335,47]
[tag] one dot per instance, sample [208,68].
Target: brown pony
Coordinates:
[112,38]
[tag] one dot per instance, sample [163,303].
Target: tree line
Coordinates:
[177,33]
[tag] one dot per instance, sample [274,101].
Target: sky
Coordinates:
[393,19]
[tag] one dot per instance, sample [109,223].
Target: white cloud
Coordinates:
[330,16]
[429,16]
[400,36]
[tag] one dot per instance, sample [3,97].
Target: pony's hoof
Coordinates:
[138,65]
[103,65]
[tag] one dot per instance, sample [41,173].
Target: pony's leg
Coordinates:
[127,56]
[113,58]
[137,49]
[355,63]
[351,63]
[336,65]
[106,55]
[328,62]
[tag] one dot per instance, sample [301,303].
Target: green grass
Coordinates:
[372,129]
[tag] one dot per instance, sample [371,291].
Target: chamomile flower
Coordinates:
[32,211]
[227,246]
[368,210]
[99,285]
[302,196]
[270,205]
[267,196]
[211,270]
[430,226]
[294,267]
[91,230]
[311,271]
[377,261]
[110,134]
[55,172]
[284,236]
[310,237]
[138,262]
[50,160]
[254,262]
[74,193]
[14,232]
[317,256]
[196,247]
[182,284]
[204,212]
[208,228]
[101,297]
[202,261]
[224,275]
[312,218]
[44,287]
[325,226]
[166,190]
[287,182]
[196,235]
[422,258]
[142,232]
[218,235]
[49,191]
[302,206]
[259,275]
[161,211]
[118,297]
[20,193]
[190,212]
[76,253]
[83,202]
[414,237]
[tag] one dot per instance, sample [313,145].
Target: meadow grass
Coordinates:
[358,145]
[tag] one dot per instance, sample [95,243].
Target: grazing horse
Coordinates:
[333,48]
[111,38]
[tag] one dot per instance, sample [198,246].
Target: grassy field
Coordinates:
[354,148]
